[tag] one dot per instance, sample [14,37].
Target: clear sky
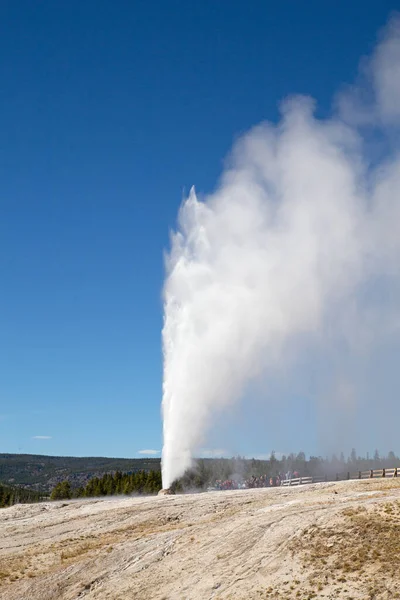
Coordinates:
[109,112]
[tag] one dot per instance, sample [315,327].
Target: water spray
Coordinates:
[299,227]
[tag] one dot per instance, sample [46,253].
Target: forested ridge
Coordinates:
[10,495]
[143,476]
[111,484]
[205,472]
[42,473]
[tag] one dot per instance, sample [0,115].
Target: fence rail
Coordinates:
[370,474]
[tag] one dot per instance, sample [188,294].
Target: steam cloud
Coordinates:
[304,223]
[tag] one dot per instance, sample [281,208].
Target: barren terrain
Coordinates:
[329,540]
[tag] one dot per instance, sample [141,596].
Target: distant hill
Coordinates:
[42,473]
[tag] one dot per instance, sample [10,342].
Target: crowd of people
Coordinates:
[255,482]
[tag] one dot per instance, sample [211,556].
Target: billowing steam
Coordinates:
[305,221]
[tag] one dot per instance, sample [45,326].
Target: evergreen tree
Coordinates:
[61,491]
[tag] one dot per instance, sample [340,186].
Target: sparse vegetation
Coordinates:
[315,547]
[363,547]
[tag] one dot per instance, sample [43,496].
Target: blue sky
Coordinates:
[109,112]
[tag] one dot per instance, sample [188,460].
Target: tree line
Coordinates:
[111,484]
[10,495]
[206,471]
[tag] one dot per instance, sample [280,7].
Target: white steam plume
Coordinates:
[299,227]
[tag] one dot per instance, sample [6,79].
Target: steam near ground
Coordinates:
[296,253]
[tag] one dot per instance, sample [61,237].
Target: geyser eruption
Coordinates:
[304,222]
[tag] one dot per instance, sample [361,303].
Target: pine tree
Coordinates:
[61,491]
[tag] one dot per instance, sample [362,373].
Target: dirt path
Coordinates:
[323,540]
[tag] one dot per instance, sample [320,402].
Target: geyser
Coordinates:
[302,223]
[166,492]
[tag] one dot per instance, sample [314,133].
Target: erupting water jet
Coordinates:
[299,231]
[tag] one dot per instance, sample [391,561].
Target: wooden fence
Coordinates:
[370,474]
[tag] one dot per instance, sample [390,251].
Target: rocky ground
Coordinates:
[330,540]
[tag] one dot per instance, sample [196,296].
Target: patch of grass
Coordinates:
[363,544]
[77,550]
